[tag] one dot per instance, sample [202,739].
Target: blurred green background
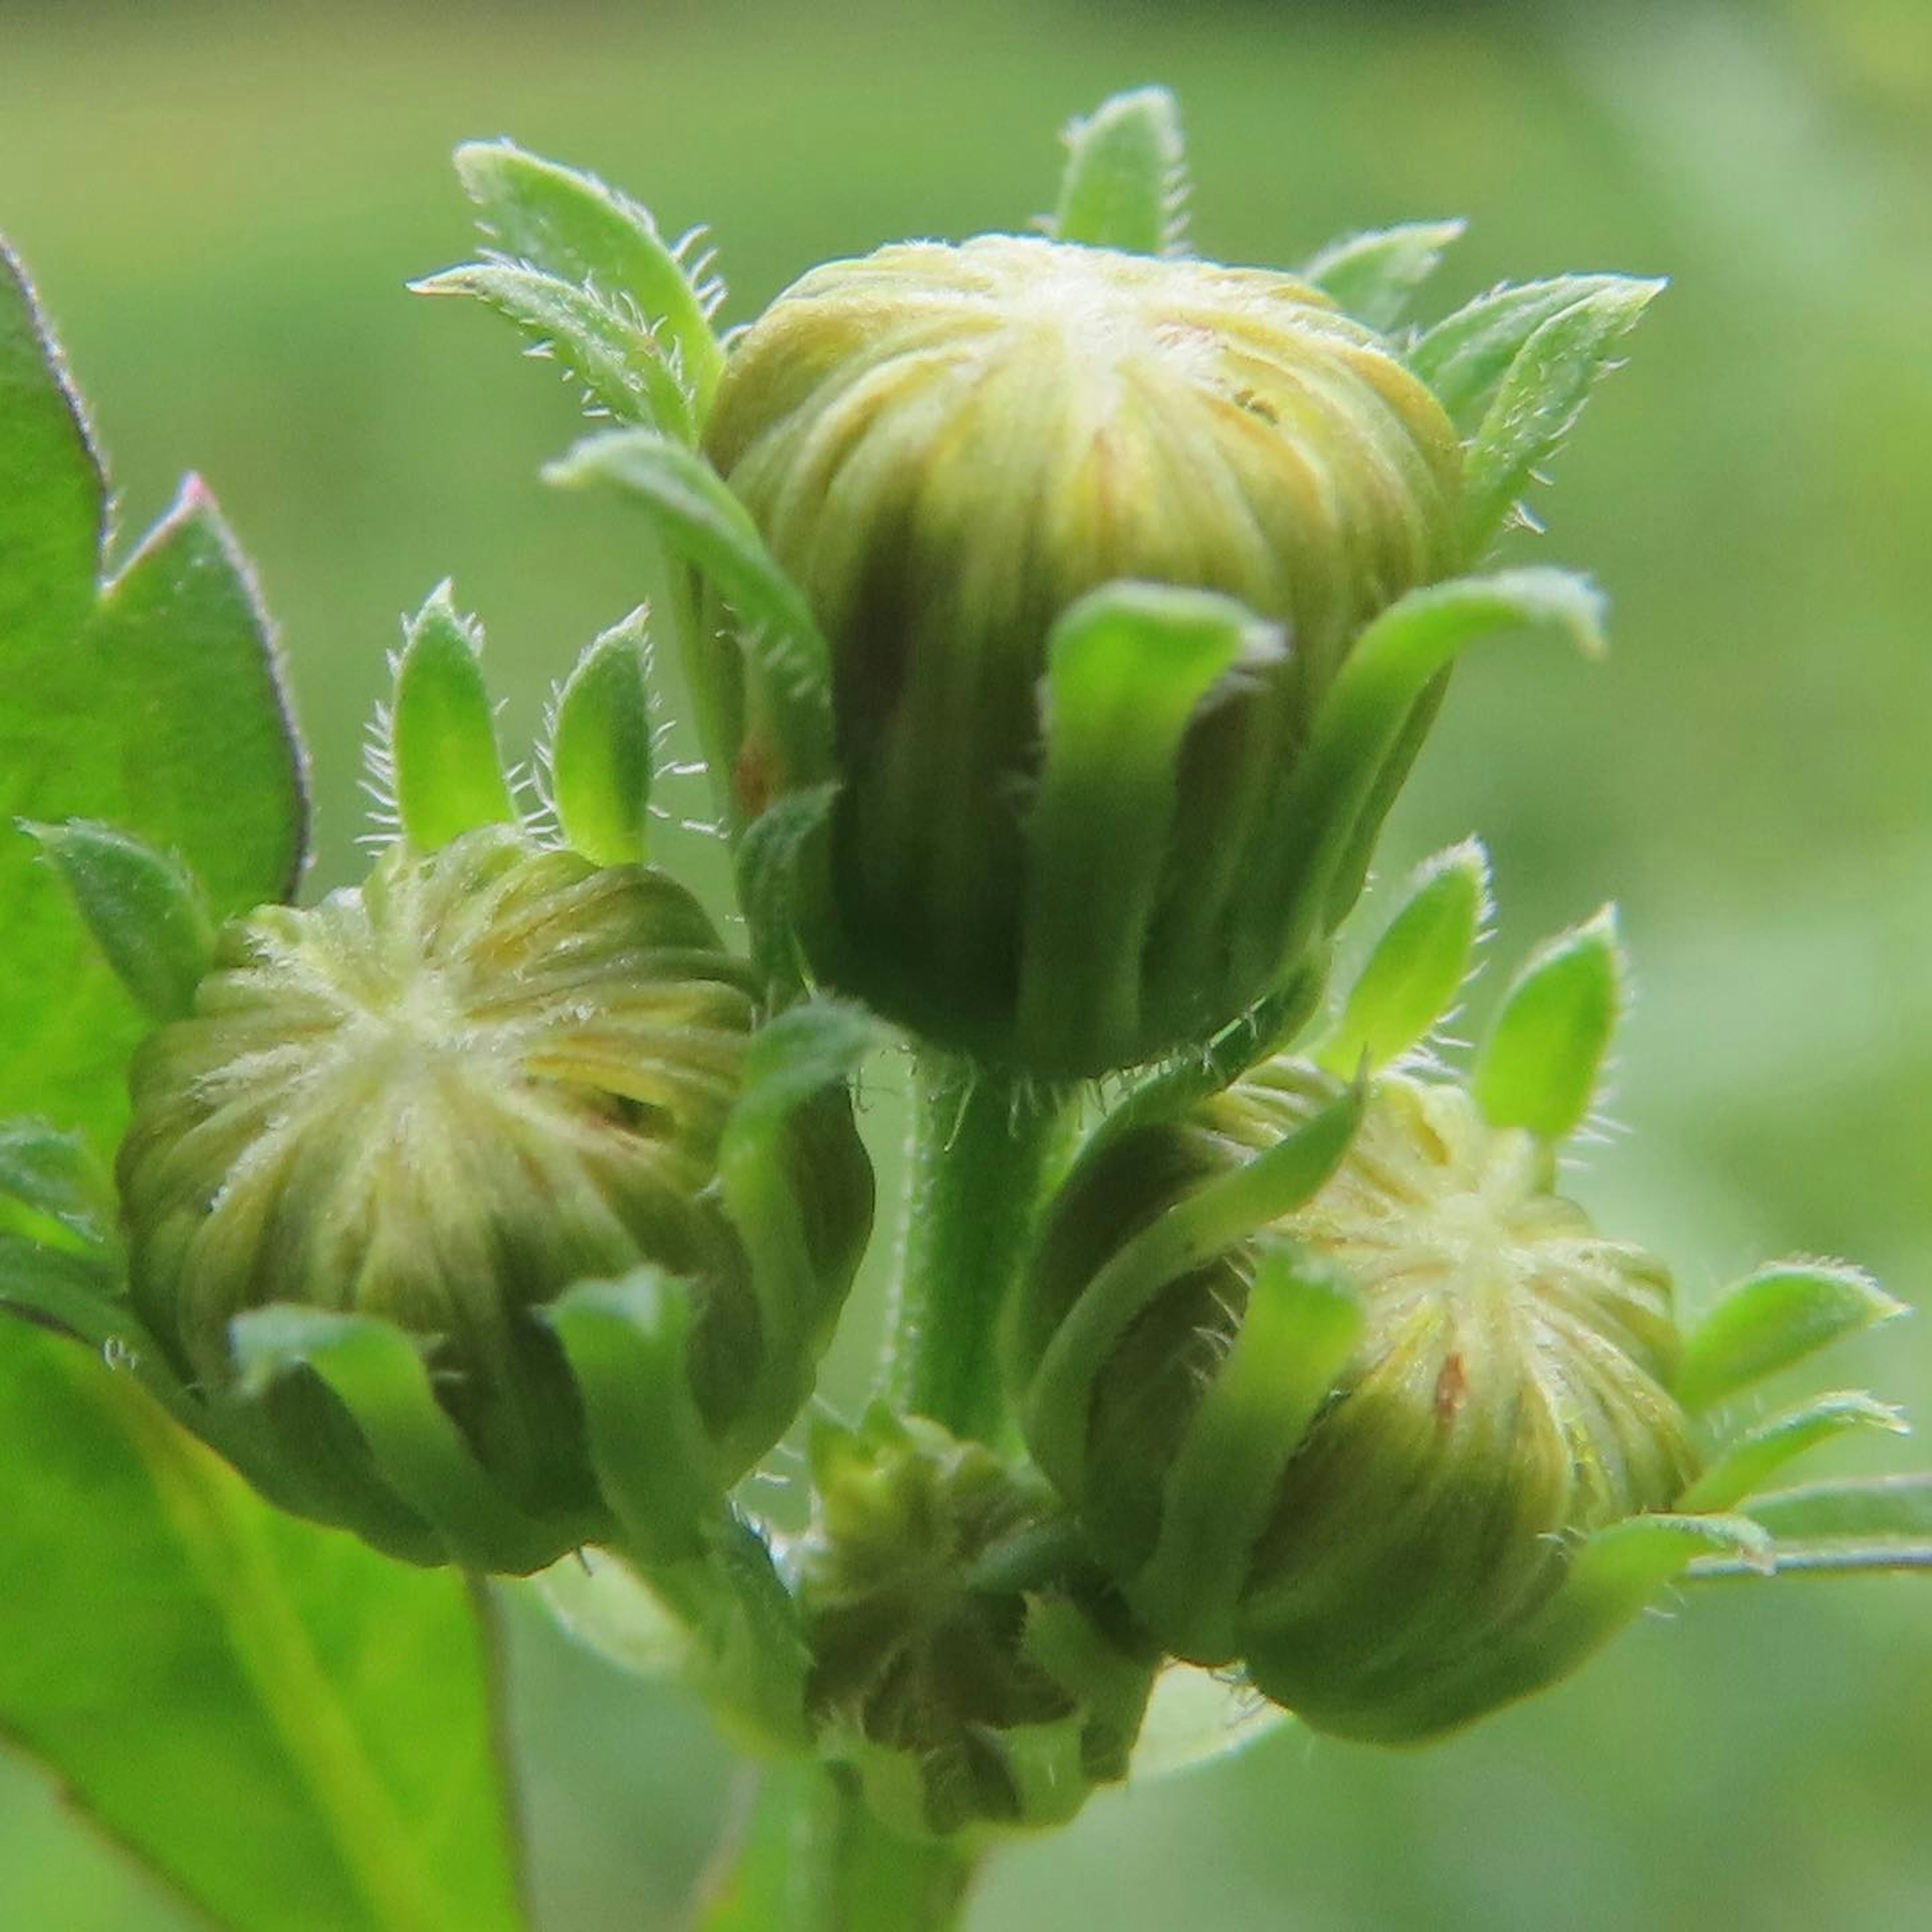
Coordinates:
[222,203]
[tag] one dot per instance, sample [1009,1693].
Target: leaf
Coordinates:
[1125,183]
[600,748]
[292,1731]
[1465,356]
[1128,667]
[448,772]
[1872,1523]
[1419,965]
[56,1174]
[1773,1319]
[1542,1064]
[698,517]
[144,910]
[1539,400]
[152,701]
[1745,1463]
[1369,707]
[596,340]
[1372,276]
[569,225]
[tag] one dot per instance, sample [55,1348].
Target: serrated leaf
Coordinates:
[1542,1063]
[151,700]
[448,774]
[1125,180]
[1419,965]
[291,1730]
[600,748]
[570,225]
[697,516]
[595,341]
[1539,399]
[1372,276]
[144,909]
[1773,1319]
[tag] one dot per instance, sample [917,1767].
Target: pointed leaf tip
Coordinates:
[1542,1063]
[600,748]
[1421,962]
[448,775]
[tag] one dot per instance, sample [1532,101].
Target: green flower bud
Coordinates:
[960,1699]
[1344,1391]
[427,1108]
[947,447]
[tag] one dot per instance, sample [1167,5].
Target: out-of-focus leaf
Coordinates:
[1372,276]
[292,1730]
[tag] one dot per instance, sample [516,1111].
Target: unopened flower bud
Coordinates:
[437,1102]
[962,1699]
[947,447]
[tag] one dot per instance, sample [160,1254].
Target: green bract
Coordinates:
[1071,610]
[1344,1391]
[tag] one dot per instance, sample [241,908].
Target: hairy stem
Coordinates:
[981,1142]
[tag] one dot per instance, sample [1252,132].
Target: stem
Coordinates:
[809,1856]
[981,1142]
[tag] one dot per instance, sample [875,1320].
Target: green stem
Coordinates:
[981,1143]
[810,1857]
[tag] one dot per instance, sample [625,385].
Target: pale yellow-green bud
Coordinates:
[945,447]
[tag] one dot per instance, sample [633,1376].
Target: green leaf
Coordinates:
[446,769]
[1369,710]
[597,340]
[1128,667]
[569,225]
[1829,1528]
[143,908]
[1372,276]
[1303,1321]
[1772,1319]
[779,861]
[1539,399]
[1465,356]
[293,1731]
[698,517]
[600,748]
[1761,1451]
[1125,184]
[1542,1066]
[627,1343]
[151,700]
[54,1175]
[1419,965]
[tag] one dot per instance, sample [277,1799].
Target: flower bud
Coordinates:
[1493,1386]
[962,1700]
[947,447]
[427,1108]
